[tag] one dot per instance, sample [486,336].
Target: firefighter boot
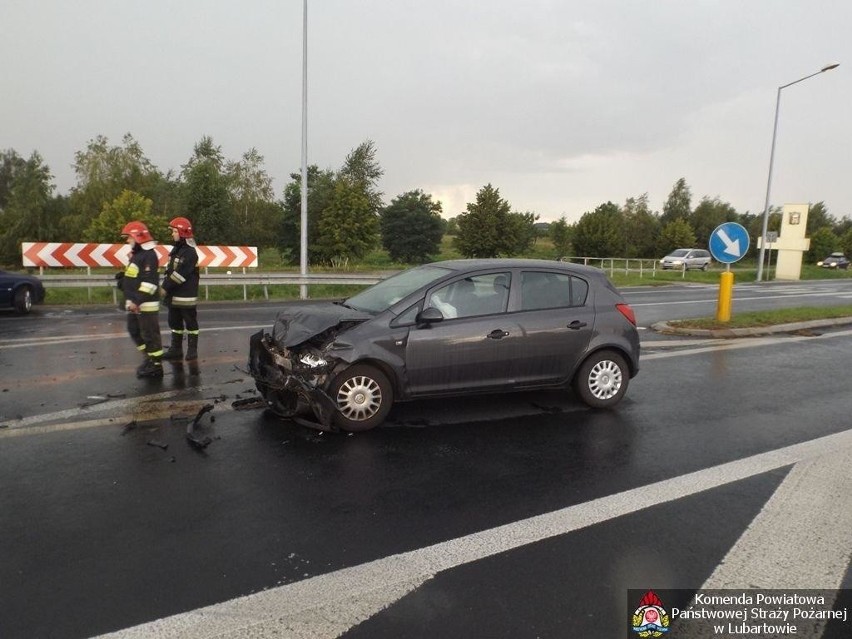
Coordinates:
[191,347]
[152,368]
[175,350]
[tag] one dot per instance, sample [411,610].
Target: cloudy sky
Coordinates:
[561,104]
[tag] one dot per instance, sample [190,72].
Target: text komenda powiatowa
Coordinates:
[748,607]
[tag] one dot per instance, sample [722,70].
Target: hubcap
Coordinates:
[605,379]
[359,398]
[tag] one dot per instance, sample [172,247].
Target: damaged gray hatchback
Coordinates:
[448,328]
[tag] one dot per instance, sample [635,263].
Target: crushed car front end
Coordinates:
[292,367]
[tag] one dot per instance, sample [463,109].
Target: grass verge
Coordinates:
[758,319]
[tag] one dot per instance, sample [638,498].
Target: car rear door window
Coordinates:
[542,289]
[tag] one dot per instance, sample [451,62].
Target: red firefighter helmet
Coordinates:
[138,231]
[183,226]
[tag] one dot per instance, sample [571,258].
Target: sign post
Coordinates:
[728,243]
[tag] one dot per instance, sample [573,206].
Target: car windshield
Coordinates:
[679,253]
[386,293]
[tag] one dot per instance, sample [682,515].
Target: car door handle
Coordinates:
[576,325]
[498,334]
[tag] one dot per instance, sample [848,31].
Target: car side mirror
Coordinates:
[429,316]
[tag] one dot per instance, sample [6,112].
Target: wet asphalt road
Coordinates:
[108,518]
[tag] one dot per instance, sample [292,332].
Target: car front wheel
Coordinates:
[363,395]
[602,379]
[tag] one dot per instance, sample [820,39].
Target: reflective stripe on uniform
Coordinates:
[149,307]
[184,301]
[132,270]
[177,277]
[147,287]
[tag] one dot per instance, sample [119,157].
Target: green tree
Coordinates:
[818,217]
[249,183]
[264,231]
[103,171]
[250,188]
[11,165]
[362,168]
[486,228]
[348,227]
[411,227]
[823,242]
[676,234]
[521,232]
[846,242]
[452,227]
[678,204]
[328,195]
[129,206]
[27,214]
[600,233]
[205,195]
[320,192]
[709,214]
[641,228]
[560,235]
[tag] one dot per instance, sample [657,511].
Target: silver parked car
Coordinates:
[448,328]
[687,258]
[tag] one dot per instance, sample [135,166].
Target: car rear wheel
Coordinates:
[23,300]
[363,395]
[602,379]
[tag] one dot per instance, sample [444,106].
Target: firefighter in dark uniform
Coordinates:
[180,291]
[142,298]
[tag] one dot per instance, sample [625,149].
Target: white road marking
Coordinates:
[330,604]
[800,540]
[29,342]
[144,407]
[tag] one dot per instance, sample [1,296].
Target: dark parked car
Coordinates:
[20,292]
[835,260]
[448,328]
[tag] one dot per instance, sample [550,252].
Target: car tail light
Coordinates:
[625,310]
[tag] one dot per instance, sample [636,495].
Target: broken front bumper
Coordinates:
[291,379]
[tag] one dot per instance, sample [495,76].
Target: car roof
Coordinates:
[489,263]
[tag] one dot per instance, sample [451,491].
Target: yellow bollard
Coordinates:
[726,290]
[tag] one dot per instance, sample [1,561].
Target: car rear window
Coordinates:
[541,289]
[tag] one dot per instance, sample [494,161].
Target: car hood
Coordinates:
[299,323]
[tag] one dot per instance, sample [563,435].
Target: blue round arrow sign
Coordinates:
[729,242]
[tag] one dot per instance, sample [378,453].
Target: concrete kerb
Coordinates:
[727,333]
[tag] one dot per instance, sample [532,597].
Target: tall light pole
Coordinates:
[771,159]
[303,236]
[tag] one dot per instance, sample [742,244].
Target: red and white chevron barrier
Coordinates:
[74,255]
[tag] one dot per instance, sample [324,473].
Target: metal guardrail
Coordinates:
[100,280]
[626,265]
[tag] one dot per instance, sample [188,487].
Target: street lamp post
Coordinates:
[303,218]
[771,159]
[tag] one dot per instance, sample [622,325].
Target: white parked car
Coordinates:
[687,258]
